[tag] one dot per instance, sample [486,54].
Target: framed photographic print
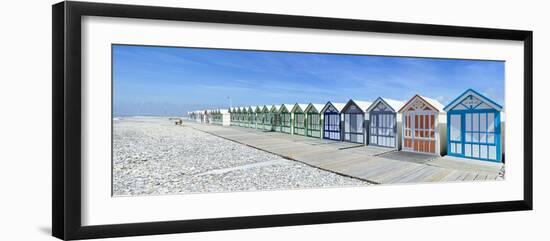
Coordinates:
[170,120]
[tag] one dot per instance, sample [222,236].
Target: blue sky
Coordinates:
[172,81]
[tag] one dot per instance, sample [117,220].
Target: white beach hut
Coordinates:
[355,117]
[385,123]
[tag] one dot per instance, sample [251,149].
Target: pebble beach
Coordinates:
[153,156]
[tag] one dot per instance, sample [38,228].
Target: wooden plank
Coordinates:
[380,167]
[386,177]
[407,176]
[438,176]
[481,177]
[429,171]
[469,177]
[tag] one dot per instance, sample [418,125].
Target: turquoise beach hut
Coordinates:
[474,127]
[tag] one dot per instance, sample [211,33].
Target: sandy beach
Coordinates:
[152,156]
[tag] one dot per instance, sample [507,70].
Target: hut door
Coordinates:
[383,129]
[332,126]
[353,127]
[481,136]
[419,131]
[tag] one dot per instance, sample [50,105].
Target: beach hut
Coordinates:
[286,118]
[242,116]
[332,120]
[355,117]
[275,117]
[384,123]
[474,129]
[424,126]
[266,117]
[299,122]
[258,116]
[244,112]
[251,117]
[314,120]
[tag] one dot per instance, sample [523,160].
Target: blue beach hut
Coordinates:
[332,121]
[474,129]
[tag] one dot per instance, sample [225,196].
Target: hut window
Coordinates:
[299,120]
[313,120]
[286,119]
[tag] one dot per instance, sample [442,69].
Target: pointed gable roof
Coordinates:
[337,106]
[471,92]
[363,105]
[316,107]
[301,107]
[275,108]
[287,107]
[434,104]
[395,105]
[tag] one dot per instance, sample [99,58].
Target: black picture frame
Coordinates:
[66,127]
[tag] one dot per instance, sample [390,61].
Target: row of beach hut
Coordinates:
[469,126]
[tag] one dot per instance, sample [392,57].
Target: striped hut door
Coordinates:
[424,132]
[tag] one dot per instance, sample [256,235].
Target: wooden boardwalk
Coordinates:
[372,164]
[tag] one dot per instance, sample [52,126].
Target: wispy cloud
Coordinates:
[205,77]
